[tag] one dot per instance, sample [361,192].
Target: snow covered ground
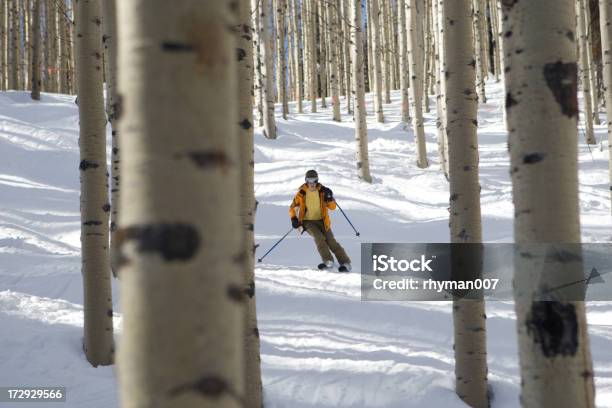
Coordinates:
[321,346]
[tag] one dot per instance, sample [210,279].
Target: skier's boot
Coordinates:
[325,265]
[345,267]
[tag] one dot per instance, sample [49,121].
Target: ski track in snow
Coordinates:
[321,346]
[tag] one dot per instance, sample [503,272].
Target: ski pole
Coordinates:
[274,246]
[349,221]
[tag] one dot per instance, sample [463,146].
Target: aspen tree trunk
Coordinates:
[496,41]
[361,128]
[36,51]
[63,49]
[591,63]
[330,11]
[74,47]
[54,47]
[348,68]
[605,25]
[416,84]
[181,239]
[259,77]
[395,52]
[48,64]
[404,77]
[542,112]
[341,73]
[311,54]
[465,219]
[484,35]
[377,55]
[292,77]
[426,50]
[24,46]
[3,48]
[289,49]
[14,74]
[386,51]
[369,53]
[267,71]
[322,52]
[306,50]
[439,21]
[340,46]
[98,342]
[500,45]
[253,386]
[478,40]
[282,62]
[47,49]
[584,74]
[70,72]
[299,57]
[27,45]
[109,40]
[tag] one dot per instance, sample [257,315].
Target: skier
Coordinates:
[313,200]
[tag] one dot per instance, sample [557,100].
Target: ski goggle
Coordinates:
[312,180]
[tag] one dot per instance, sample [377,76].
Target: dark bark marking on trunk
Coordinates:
[532,158]
[553,325]
[88,164]
[236,293]
[562,80]
[510,101]
[173,242]
[210,158]
[210,386]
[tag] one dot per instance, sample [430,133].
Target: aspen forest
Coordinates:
[306,203]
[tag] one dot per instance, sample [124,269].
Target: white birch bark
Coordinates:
[404,67]
[584,74]
[591,64]
[348,69]
[416,83]
[542,112]
[465,219]
[386,49]
[257,61]
[36,51]
[377,56]
[281,11]
[15,54]
[361,128]
[299,57]
[109,39]
[252,373]
[179,225]
[439,22]
[265,49]
[311,54]
[322,57]
[605,26]
[98,339]
[330,11]
[478,52]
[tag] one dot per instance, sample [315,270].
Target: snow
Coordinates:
[321,345]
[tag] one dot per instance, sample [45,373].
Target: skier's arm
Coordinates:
[328,197]
[294,203]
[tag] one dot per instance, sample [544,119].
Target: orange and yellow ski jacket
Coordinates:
[299,201]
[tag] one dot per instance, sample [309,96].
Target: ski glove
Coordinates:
[294,222]
[327,194]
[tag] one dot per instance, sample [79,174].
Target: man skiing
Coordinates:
[313,201]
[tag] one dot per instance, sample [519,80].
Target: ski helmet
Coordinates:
[312,176]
